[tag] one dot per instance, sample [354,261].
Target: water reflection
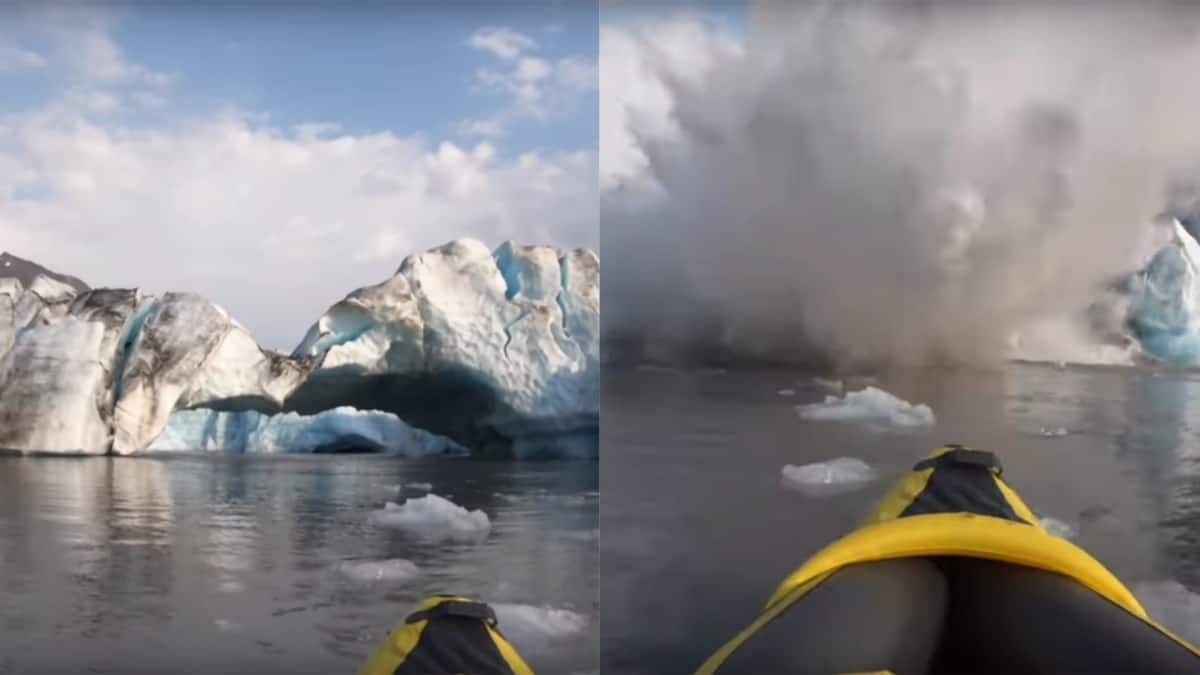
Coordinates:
[176,555]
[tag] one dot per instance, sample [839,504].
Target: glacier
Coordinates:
[463,347]
[495,349]
[1163,296]
[339,430]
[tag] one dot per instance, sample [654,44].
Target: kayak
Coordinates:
[953,573]
[447,634]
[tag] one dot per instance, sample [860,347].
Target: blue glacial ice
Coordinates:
[338,430]
[1162,301]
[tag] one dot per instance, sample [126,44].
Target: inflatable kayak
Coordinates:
[447,634]
[953,573]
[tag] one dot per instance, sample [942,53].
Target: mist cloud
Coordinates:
[899,182]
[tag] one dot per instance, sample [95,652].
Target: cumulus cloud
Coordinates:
[14,58]
[898,182]
[274,224]
[505,43]
[538,88]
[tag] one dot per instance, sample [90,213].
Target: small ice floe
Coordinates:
[226,624]
[421,487]
[786,392]
[527,624]
[396,570]
[823,479]
[1057,527]
[433,517]
[1171,604]
[1053,432]
[872,406]
[832,385]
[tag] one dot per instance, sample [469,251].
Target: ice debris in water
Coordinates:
[832,385]
[433,516]
[1053,432]
[873,406]
[786,392]
[1057,527]
[1171,604]
[419,486]
[837,476]
[525,624]
[393,570]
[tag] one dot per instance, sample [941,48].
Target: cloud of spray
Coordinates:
[903,182]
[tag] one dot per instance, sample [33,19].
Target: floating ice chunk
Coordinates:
[837,476]
[389,569]
[427,487]
[786,392]
[526,624]
[435,517]
[1058,528]
[831,385]
[872,406]
[1171,604]
[1053,432]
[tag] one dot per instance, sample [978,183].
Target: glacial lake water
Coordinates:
[698,527]
[217,564]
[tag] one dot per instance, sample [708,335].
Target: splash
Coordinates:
[897,183]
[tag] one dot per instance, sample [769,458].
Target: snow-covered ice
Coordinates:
[394,570]
[433,517]
[340,429]
[820,479]
[872,406]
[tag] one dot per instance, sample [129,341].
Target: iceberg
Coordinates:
[462,347]
[820,479]
[511,337]
[872,406]
[339,430]
[433,517]
[1163,301]
[183,351]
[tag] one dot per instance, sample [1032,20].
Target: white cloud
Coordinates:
[582,74]
[13,58]
[506,43]
[484,128]
[532,70]
[273,226]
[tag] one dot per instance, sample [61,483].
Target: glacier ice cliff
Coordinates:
[1163,301]
[496,351]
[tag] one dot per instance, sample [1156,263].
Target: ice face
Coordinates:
[488,348]
[871,406]
[337,430]
[513,336]
[1163,297]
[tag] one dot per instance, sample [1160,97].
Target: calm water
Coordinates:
[205,564]
[697,529]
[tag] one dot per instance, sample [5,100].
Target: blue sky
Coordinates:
[408,68]
[273,157]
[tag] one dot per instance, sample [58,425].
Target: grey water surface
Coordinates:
[219,564]
[698,528]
